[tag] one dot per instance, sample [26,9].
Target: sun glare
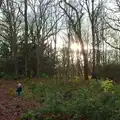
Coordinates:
[75,47]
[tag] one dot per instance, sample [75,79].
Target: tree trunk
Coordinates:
[26,38]
[98,50]
[85,66]
[93,34]
[37,66]
[14,57]
[1,2]
[78,68]
[68,55]
[93,47]
[85,59]
[38,49]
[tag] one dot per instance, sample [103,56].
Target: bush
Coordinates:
[94,86]
[32,85]
[76,79]
[100,101]
[2,74]
[7,76]
[107,85]
[82,104]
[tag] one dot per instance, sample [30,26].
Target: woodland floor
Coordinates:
[12,106]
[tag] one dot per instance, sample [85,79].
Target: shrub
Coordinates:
[94,85]
[27,81]
[107,85]
[32,85]
[2,74]
[76,79]
[82,104]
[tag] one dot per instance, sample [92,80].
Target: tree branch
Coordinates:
[116,29]
[111,45]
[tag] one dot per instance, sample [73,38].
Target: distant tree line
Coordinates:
[29,32]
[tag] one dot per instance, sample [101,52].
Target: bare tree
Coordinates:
[45,20]
[11,25]
[93,12]
[112,29]
[75,22]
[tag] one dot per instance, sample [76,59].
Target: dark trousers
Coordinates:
[19,93]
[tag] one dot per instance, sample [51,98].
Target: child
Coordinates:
[19,89]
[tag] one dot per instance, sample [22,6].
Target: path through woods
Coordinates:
[12,107]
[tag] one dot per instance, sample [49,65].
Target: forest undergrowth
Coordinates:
[75,100]
[52,100]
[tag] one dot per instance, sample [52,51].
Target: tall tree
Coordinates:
[10,27]
[76,26]
[93,12]
[45,20]
[26,37]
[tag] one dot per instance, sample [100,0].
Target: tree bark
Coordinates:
[68,55]
[93,47]
[38,49]
[93,35]
[1,2]
[26,38]
[85,59]
[98,49]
